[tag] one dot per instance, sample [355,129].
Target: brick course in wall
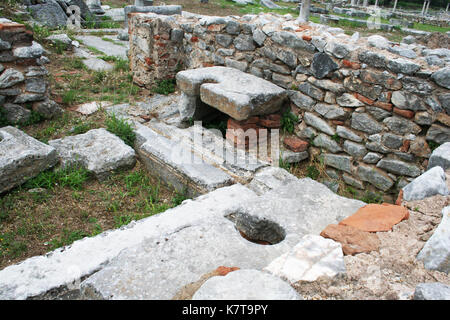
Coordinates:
[381,110]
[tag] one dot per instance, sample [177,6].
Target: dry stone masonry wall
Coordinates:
[23,78]
[372,106]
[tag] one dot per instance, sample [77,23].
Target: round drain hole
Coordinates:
[257,230]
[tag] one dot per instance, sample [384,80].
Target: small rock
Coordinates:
[48,108]
[10,77]
[442,77]
[322,65]
[440,157]
[33,51]
[403,66]
[378,42]
[313,257]
[432,291]
[428,184]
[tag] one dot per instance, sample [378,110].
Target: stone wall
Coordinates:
[23,78]
[372,106]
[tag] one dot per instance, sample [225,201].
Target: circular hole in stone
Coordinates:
[257,230]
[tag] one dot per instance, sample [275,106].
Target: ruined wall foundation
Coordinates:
[375,108]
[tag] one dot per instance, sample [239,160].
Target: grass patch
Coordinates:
[74,63]
[33,225]
[288,121]
[113,41]
[72,177]
[115,86]
[430,28]
[166,86]
[372,197]
[121,128]
[433,145]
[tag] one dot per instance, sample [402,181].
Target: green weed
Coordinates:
[121,128]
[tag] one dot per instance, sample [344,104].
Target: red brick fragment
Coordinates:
[351,64]
[295,144]
[405,146]
[384,105]
[361,98]
[404,113]
[223,271]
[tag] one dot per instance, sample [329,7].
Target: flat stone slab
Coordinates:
[22,157]
[160,266]
[107,47]
[161,107]
[246,285]
[195,157]
[64,266]
[236,93]
[97,150]
[176,164]
[154,257]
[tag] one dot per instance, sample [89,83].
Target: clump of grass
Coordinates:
[165,86]
[121,128]
[71,176]
[288,121]
[82,128]
[179,197]
[69,96]
[35,117]
[372,197]
[3,120]
[284,164]
[433,145]
[74,63]
[58,46]
[40,32]
[336,138]
[68,237]
[119,63]
[312,172]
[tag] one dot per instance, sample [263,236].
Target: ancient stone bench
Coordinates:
[233,92]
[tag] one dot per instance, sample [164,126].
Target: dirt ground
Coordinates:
[393,272]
